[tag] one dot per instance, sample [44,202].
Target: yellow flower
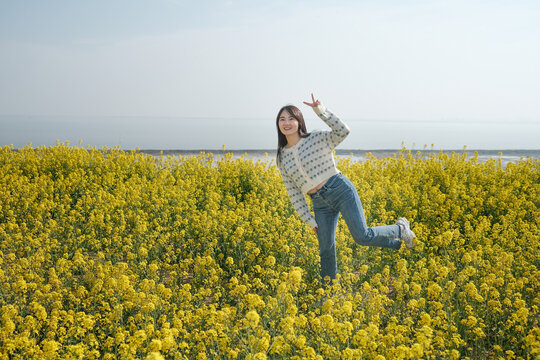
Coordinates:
[254,301]
[155,356]
[300,341]
[155,345]
[270,261]
[295,278]
[253,318]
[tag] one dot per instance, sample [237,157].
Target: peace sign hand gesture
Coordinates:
[314,104]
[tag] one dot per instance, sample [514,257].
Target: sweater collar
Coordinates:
[294,146]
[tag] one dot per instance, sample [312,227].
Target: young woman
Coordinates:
[307,165]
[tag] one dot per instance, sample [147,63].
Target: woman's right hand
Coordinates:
[316,230]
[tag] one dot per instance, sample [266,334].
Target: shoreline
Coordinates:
[345,152]
[505,156]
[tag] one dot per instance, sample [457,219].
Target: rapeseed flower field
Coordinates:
[106,254]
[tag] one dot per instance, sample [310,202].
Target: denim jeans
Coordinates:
[337,196]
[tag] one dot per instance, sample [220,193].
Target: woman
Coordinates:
[307,165]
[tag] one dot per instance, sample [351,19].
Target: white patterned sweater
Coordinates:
[311,161]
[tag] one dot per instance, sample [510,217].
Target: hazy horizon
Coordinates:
[212,133]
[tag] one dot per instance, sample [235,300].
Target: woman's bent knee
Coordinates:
[364,237]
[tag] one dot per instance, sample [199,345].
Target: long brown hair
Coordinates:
[282,139]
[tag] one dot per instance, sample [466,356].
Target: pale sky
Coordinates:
[427,61]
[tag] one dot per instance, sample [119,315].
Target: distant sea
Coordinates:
[190,136]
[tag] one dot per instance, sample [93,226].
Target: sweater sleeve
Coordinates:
[298,200]
[339,129]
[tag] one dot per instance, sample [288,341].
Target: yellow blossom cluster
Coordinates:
[106,254]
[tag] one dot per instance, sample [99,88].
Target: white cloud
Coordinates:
[431,60]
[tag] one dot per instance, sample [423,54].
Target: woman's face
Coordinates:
[288,125]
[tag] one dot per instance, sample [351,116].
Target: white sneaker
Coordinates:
[406,233]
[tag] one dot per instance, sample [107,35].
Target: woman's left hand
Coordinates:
[315,103]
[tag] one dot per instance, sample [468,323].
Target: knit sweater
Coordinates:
[311,161]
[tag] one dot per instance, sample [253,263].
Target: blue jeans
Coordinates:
[337,196]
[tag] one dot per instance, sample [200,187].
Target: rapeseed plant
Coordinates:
[106,254]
